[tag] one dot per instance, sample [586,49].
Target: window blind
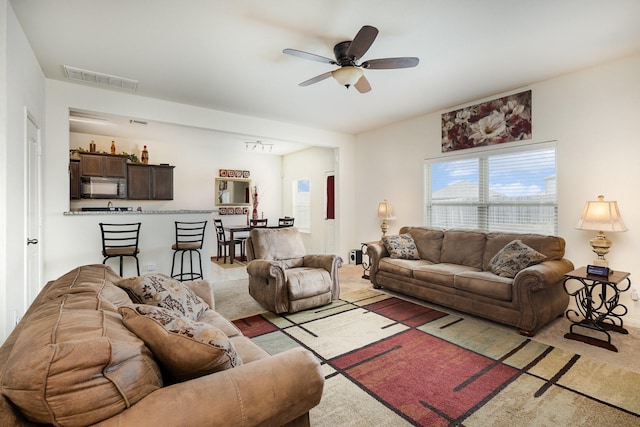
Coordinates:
[495,190]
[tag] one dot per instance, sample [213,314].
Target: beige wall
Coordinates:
[592,114]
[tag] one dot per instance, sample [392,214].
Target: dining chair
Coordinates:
[119,241]
[287,221]
[223,242]
[258,223]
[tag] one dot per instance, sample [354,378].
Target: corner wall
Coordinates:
[592,114]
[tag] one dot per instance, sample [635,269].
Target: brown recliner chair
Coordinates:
[282,278]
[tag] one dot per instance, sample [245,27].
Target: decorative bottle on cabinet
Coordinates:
[145,155]
[113,147]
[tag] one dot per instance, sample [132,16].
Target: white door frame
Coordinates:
[33,209]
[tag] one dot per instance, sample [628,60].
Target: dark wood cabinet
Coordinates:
[74,179]
[106,165]
[149,182]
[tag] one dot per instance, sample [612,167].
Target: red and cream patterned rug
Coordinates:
[391,362]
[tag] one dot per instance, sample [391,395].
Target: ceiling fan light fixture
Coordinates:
[347,75]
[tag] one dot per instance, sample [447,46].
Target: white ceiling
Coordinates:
[227,55]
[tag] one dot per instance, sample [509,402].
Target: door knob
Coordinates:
[32,241]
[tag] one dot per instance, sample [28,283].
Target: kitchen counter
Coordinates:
[134,212]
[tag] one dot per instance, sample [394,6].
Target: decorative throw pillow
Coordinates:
[401,246]
[514,257]
[163,291]
[185,349]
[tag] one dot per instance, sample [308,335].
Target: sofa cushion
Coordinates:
[428,241]
[551,246]
[74,362]
[185,348]
[307,282]
[514,257]
[401,267]
[401,246]
[486,284]
[163,291]
[463,247]
[440,274]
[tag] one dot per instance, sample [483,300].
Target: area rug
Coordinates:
[391,362]
[237,262]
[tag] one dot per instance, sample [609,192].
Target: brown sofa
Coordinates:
[454,270]
[71,362]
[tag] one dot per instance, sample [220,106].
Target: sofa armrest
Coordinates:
[270,391]
[266,269]
[204,290]
[376,251]
[332,264]
[541,276]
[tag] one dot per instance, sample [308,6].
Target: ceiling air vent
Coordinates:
[100,79]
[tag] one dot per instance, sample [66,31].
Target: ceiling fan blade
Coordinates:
[363,85]
[316,79]
[311,56]
[390,63]
[362,42]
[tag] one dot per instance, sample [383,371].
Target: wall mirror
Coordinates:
[233,192]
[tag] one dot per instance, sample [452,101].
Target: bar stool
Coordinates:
[119,241]
[189,238]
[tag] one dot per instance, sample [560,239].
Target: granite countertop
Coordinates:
[143,212]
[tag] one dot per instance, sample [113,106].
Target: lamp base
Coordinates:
[600,262]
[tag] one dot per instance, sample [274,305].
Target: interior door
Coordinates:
[33,226]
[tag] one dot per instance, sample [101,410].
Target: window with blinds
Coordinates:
[497,190]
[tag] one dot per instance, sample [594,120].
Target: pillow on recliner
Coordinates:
[401,246]
[161,290]
[515,256]
[185,349]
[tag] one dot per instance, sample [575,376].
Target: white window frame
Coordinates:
[483,204]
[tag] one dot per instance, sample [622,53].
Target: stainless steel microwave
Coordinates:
[92,187]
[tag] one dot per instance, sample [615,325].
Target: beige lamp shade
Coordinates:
[601,215]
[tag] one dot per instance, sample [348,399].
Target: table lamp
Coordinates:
[385,213]
[601,216]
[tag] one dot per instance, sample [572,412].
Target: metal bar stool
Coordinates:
[119,241]
[189,238]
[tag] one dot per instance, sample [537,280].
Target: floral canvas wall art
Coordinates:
[493,122]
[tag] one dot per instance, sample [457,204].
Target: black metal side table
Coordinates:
[598,307]
[366,265]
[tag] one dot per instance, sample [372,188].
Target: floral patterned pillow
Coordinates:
[515,256]
[185,349]
[163,291]
[401,246]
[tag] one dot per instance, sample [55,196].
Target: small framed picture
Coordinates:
[245,210]
[246,174]
[238,174]
[222,211]
[238,211]
[231,173]
[223,173]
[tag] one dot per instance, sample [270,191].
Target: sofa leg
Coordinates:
[526,333]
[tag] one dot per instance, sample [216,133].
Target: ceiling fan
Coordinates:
[347,54]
